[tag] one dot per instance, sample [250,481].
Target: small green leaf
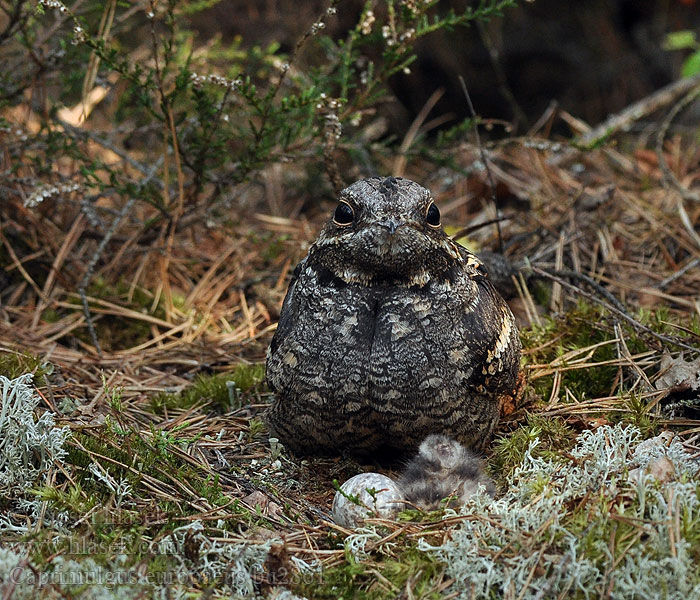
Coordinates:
[681,40]
[691,66]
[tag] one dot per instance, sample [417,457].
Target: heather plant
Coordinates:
[217,114]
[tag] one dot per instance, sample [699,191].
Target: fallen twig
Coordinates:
[638,110]
[614,309]
[98,253]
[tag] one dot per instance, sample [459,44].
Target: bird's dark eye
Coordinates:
[432,216]
[343,214]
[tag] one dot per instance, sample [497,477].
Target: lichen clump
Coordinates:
[604,520]
[28,445]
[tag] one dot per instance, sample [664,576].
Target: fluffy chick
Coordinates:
[443,468]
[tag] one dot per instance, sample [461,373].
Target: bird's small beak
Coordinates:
[391,224]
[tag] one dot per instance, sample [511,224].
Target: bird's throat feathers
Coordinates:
[369,267]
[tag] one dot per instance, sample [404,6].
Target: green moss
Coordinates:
[541,292]
[604,528]
[638,412]
[379,577]
[14,364]
[116,462]
[50,315]
[109,532]
[414,515]
[554,436]
[116,332]
[586,326]
[255,427]
[125,455]
[608,529]
[274,246]
[72,499]
[587,336]
[662,320]
[577,329]
[113,396]
[225,391]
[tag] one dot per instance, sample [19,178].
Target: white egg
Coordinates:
[377,496]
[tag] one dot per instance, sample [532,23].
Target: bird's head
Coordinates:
[386,229]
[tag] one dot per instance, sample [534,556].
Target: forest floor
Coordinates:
[171,486]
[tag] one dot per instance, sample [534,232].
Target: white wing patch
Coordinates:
[503,340]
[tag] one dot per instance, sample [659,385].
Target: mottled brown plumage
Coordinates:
[389,332]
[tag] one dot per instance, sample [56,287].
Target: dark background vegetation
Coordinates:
[593,57]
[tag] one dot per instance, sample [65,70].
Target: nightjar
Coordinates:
[390,331]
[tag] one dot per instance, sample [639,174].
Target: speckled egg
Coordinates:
[377,495]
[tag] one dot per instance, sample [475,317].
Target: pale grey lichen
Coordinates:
[306,567]
[231,565]
[12,566]
[81,577]
[361,541]
[28,445]
[121,489]
[27,512]
[550,535]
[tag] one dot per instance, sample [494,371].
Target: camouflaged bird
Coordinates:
[390,331]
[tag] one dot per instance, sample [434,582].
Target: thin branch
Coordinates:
[669,177]
[636,325]
[590,282]
[330,163]
[484,159]
[472,228]
[77,132]
[89,271]
[639,110]
[682,271]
